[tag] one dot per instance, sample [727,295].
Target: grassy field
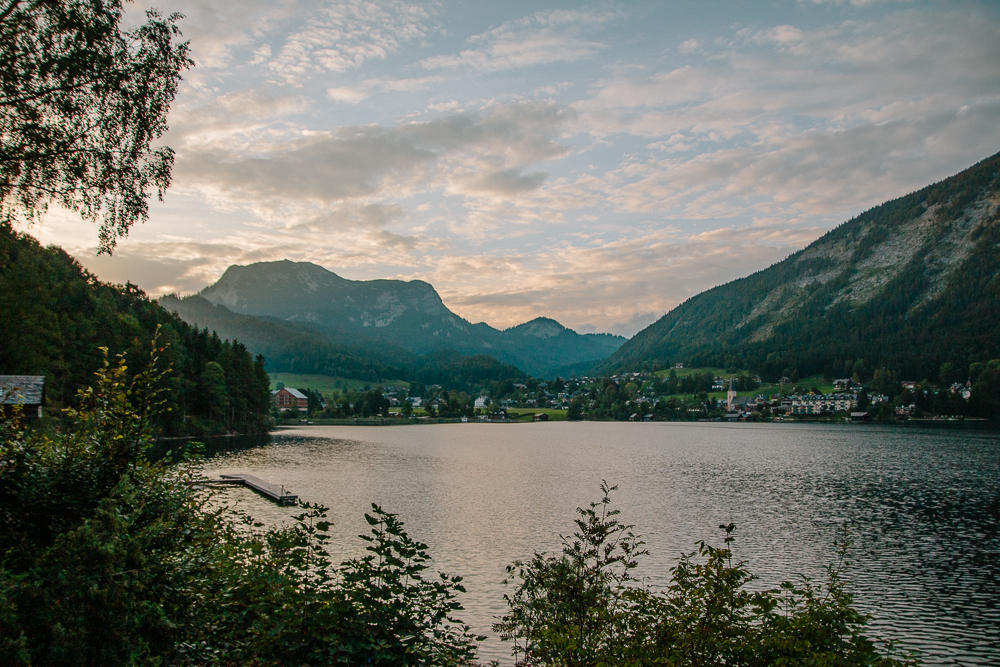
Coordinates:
[327,384]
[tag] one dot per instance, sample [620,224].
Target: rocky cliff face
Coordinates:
[908,285]
[410,314]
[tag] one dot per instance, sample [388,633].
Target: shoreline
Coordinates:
[972,423]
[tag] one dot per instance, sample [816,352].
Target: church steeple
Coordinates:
[731,395]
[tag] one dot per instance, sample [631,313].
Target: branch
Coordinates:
[54,89]
[8,9]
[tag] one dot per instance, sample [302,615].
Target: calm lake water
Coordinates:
[925,505]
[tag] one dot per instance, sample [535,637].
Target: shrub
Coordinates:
[584,607]
[107,558]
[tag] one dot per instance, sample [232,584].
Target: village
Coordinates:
[638,396]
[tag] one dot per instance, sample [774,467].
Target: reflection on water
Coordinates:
[925,506]
[225,445]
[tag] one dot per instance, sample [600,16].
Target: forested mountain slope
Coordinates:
[404,314]
[56,316]
[300,347]
[296,347]
[906,286]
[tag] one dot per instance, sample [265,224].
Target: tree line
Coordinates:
[58,317]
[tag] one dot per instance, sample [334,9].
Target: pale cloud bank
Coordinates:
[544,38]
[590,165]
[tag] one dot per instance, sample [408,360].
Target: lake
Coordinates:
[924,505]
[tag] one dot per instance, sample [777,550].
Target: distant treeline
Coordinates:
[57,316]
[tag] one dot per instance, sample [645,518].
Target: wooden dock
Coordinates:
[276,493]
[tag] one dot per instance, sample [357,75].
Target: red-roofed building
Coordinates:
[290,399]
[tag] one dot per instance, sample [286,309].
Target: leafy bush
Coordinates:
[584,607]
[107,558]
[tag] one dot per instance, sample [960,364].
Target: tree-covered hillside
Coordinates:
[302,347]
[296,347]
[911,286]
[57,316]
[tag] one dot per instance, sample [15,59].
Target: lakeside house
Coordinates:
[290,399]
[25,390]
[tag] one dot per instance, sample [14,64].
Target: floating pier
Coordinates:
[276,493]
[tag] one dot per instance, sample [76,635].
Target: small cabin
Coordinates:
[24,390]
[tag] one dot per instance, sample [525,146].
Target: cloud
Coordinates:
[633,324]
[215,28]
[789,122]
[504,182]
[545,37]
[305,176]
[354,216]
[344,35]
[319,169]
[689,46]
[707,160]
[615,286]
[363,90]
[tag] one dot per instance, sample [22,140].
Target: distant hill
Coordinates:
[907,286]
[296,347]
[407,315]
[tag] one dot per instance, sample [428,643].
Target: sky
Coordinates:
[597,163]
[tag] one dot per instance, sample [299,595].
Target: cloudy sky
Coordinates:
[593,162]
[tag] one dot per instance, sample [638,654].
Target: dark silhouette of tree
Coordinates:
[81,102]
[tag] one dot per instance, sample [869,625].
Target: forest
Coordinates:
[58,317]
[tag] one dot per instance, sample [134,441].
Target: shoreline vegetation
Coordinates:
[527,419]
[108,558]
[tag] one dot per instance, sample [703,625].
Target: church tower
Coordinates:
[731,395]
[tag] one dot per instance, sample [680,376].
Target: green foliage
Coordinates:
[400,615]
[96,544]
[108,559]
[81,101]
[576,609]
[61,317]
[575,411]
[585,608]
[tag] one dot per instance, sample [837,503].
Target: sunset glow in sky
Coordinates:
[597,163]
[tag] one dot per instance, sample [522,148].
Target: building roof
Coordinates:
[21,389]
[295,392]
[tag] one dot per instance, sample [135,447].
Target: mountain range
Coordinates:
[911,286]
[373,322]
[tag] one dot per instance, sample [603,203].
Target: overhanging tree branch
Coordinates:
[81,102]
